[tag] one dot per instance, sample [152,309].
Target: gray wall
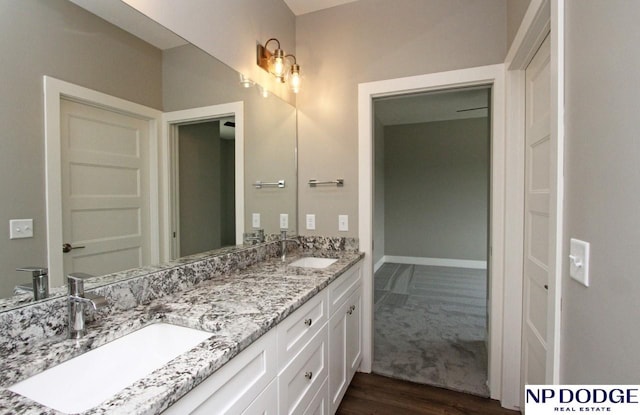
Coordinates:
[600,334]
[229,30]
[201,193]
[516,10]
[367,41]
[436,189]
[191,79]
[58,39]
[378,192]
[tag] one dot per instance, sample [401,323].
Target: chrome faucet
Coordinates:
[257,236]
[77,301]
[283,241]
[40,281]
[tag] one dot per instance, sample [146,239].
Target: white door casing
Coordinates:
[54,91]
[543,18]
[537,223]
[492,75]
[105,189]
[170,122]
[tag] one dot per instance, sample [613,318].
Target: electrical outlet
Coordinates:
[343,223]
[284,221]
[311,221]
[255,220]
[20,228]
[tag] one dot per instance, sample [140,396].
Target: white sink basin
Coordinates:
[89,379]
[313,262]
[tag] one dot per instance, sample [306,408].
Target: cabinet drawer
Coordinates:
[320,403]
[297,329]
[232,388]
[299,382]
[341,289]
[266,403]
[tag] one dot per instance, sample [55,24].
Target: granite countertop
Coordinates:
[236,308]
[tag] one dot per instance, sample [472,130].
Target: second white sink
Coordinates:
[86,381]
[313,262]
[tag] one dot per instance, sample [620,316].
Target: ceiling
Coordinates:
[432,106]
[299,7]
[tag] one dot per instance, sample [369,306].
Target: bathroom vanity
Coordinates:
[283,338]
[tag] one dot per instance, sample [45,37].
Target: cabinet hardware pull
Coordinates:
[351,310]
[308,322]
[308,375]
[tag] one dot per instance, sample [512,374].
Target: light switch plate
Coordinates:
[343,223]
[255,220]
[579,261]
[20,228]
[311,221]
[284,221]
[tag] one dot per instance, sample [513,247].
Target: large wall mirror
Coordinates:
[196,202]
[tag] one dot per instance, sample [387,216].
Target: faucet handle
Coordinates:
[75,281]
[35,271]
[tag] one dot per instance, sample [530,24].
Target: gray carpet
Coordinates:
[431,326]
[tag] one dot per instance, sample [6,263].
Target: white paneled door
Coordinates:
[537,225]
[105,189]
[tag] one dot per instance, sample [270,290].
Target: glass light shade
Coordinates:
[277,64]
[245,82]
[294,78]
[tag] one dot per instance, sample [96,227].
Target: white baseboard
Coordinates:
[378,264]
[439,262]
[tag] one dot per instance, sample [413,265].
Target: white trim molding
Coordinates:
[492,75]
[54,91]
[543,17]
[170,120]
[436,262]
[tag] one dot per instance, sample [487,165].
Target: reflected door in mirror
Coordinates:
[105,189]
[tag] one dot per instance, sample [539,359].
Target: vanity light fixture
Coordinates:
[276,64]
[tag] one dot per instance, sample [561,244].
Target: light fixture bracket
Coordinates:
[263,57]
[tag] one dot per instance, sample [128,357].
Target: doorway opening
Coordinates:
[431,233]
[203,172]
[204,194]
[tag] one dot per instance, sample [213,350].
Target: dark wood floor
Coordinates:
[374,394]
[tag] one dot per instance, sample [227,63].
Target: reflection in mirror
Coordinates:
[56,38]
[205,191]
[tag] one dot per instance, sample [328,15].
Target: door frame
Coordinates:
[54,91]
[169,144]
[492,75]
[543,17]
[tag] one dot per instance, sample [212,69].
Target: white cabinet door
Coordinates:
[354,334]
[338,356]
[345,346]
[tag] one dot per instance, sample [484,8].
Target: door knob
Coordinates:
[67,247]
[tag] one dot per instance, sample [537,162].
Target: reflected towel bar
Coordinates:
[337,182]
[260,185]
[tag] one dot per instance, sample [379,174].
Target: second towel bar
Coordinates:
[337,182]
